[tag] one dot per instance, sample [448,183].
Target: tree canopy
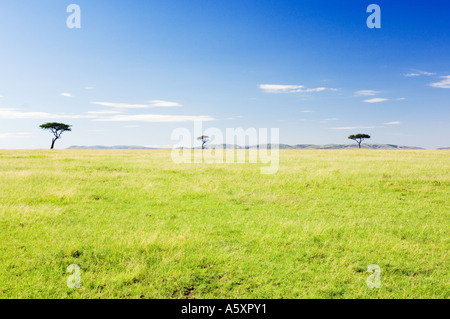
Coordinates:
[57,129]
[359,138]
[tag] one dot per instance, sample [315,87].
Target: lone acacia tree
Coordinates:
[359,138]
[204,140]
[57,129]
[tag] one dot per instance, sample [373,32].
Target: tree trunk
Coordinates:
[53,143]
[359,144]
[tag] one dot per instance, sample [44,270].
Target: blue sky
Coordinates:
[137,70]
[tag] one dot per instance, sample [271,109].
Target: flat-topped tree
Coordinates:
[359,138]
[57,129]
[204,140]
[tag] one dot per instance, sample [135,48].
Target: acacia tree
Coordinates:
[57,129]
[204,140]
[359,138]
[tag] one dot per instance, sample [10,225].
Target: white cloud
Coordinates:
[154,103]
[443,84]
[102,116]
[274,88]
[352,127]
[393,123]
[307,111]
[1,96]
[89,88]
[400,99]
[277,88]
[366,93]
[320,89]
[15,135]
[160,103]
[154,118]
[376,100]
[66,94]
[15,114]
[418,73]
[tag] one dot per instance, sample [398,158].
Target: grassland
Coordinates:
[141,226]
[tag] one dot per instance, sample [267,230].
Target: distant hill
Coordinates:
[365,146]
[444,148]
[281,147]
[325,147]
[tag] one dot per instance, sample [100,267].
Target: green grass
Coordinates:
[140,226]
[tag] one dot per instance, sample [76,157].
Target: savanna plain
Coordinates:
[141,226]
